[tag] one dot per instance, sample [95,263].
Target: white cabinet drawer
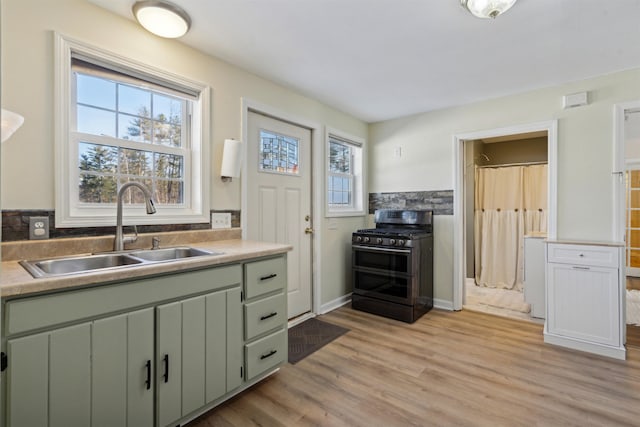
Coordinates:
[589,255]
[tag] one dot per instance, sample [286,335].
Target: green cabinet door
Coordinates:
[193,356]
[122,355]
[235,353]
[49,378]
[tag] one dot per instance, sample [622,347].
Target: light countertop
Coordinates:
[16,281]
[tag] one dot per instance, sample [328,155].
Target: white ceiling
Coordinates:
[382,59]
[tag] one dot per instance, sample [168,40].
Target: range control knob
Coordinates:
[400,242]
[366,240]
[379,240]
[359,239]
[392,242]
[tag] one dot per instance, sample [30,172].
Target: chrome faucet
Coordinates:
[118,244]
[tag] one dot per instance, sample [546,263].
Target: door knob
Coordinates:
[308,230]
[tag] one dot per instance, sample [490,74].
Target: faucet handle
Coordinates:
[131,239]
[155,242]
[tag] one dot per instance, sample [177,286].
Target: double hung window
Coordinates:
[125,124]
[345,192]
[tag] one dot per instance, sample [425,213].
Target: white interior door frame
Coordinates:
[618,169]
[316,183]
[459,243]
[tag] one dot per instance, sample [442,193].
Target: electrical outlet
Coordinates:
[220,220]
[38,227]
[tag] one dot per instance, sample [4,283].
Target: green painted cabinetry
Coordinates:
[155,351]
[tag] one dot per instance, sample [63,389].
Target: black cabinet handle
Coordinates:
[271,353]
[275,313]
[270,276]
[148,381]
[166,368]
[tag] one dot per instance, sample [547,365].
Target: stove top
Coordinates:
[399,232]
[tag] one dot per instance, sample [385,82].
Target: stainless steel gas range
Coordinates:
[393,265]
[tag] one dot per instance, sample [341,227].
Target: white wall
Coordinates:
[27,88]
[585,150]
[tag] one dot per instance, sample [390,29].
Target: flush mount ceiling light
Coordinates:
[487,8]
[162,18]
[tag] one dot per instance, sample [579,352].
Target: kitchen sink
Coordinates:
[89,263]
[78,264]
[166,254]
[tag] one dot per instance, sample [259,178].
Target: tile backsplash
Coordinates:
[15,226]
[441,202]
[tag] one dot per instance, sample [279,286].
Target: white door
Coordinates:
[632,218]
[279,198]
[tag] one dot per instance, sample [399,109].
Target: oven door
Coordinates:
[383,273]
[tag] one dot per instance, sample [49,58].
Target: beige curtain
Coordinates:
[509,202]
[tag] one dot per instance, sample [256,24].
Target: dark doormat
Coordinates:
[310,336]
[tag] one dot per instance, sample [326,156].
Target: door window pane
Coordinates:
[278,153]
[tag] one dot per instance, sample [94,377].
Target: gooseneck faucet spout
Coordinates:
[118,244]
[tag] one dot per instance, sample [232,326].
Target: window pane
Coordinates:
[96,122]
[168,166]
[339,157]
[169,192]
[278,153]
[135,162]
[134,101]
[134,128]
[95,91]
[134,195]
[97,158]
[166,108]
[97,189]
[167,133]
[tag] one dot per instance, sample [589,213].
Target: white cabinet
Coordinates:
[584,298]
[534,275]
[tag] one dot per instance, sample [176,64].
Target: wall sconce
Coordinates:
[231,159]
[10,122]
[162,18]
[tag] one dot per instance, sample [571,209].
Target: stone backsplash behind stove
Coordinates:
[441,202]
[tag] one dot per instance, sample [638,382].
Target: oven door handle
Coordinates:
[376,249]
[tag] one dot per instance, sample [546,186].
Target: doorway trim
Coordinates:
[618,170]
[316,184]
[459,241]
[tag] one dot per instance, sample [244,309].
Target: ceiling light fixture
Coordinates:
[162,18]
[487,8]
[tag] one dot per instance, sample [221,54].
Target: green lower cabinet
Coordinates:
[92,374]
[192,353]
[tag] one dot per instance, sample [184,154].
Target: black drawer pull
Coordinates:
[271,353]
[270,276]
[166,368]
[148,380]
[275,313]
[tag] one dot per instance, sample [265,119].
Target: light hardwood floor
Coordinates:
[448,368]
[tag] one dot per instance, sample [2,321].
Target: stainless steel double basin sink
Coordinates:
[108,261]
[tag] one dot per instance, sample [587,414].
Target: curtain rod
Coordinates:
[513,164]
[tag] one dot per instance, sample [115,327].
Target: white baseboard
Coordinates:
[336,303]
[443,304]
[575,344]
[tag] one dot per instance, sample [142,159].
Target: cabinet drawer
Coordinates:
[597,256]
[265,276]
[264,315]
[266,353]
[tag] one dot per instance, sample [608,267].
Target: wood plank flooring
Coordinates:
[448,368]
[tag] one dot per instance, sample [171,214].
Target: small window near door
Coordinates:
[345,192]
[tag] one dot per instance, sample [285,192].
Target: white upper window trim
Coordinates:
[359,183]
[196,208]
